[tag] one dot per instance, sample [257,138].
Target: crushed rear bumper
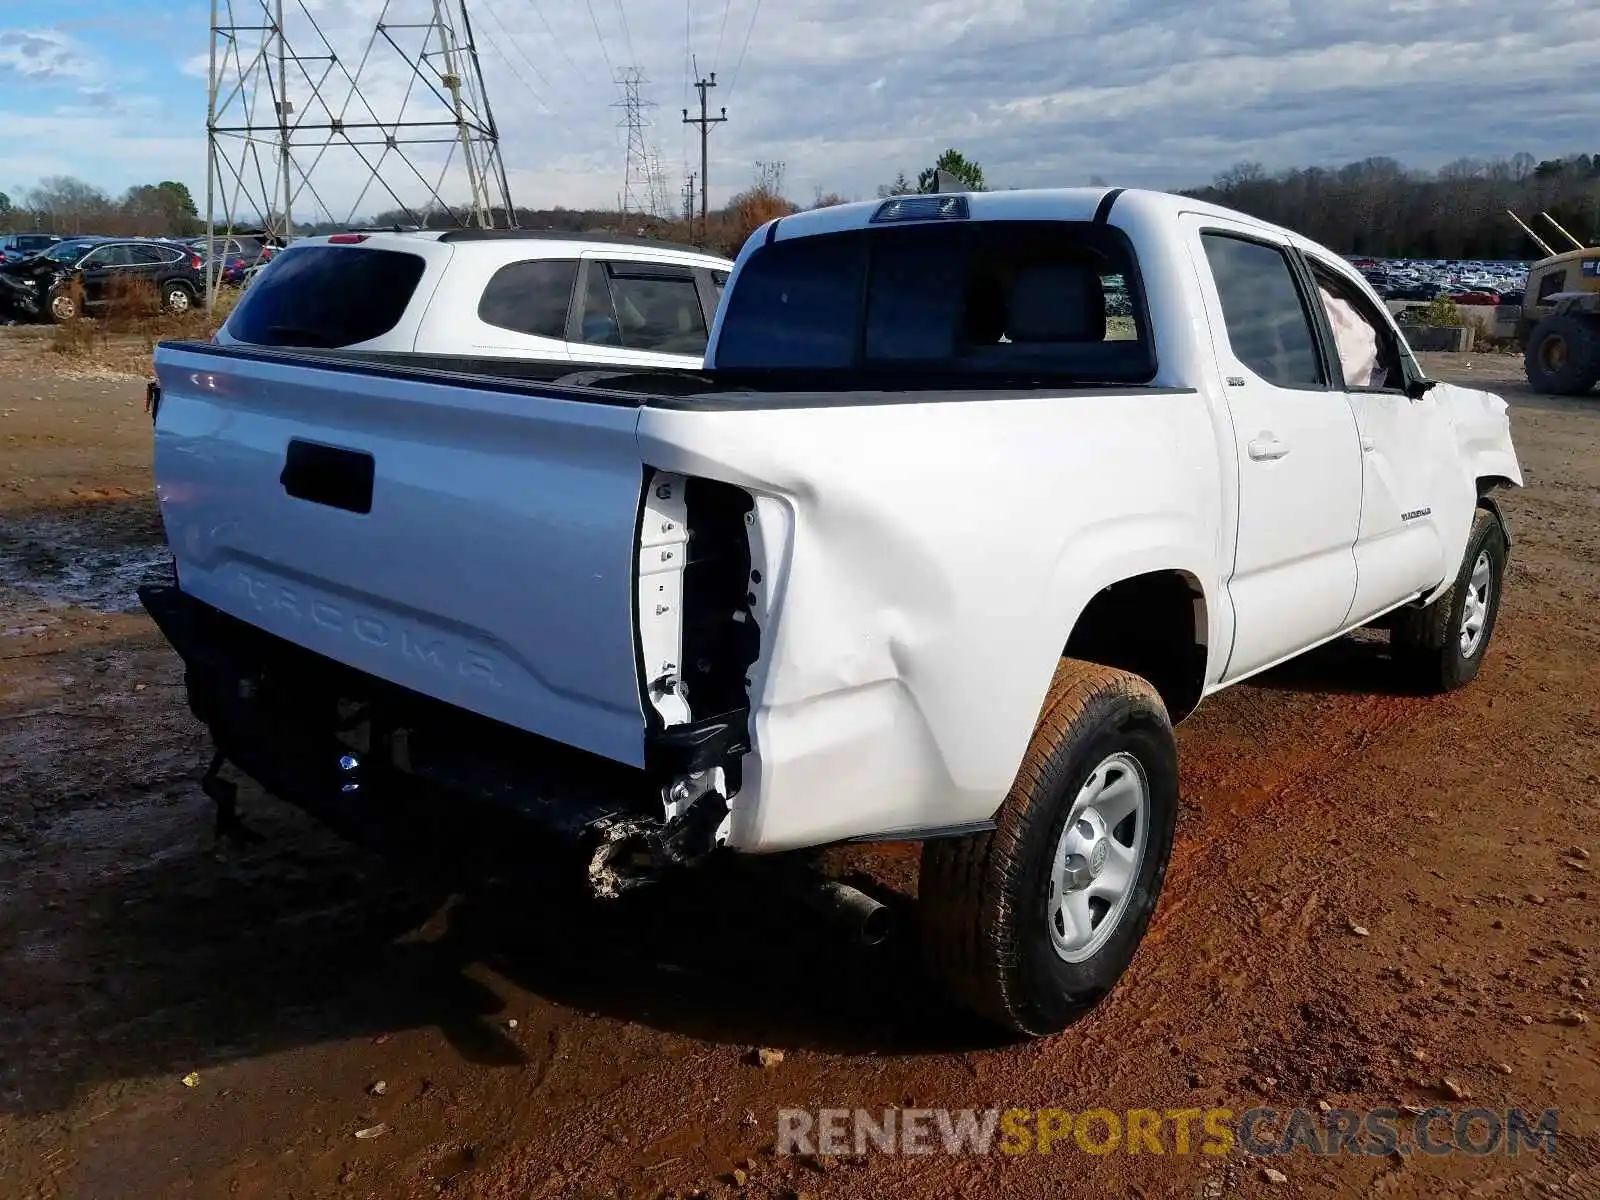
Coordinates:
[359,753]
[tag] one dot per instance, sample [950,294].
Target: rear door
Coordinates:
[638,312]
[151,262]
[1299,457]
[517,309]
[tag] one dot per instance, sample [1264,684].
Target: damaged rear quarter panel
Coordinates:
[922,564]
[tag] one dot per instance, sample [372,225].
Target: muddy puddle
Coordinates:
[93,561]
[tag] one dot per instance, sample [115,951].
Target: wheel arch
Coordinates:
[1155,624]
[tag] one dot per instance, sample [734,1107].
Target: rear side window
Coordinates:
[327,296]
[530,297]
[641,306]
[1269,329]
[1003,299]
[149,255]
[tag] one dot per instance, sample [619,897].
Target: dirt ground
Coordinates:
[1372,894]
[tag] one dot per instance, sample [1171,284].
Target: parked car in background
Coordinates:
[237,254]
[537,295]
[43,286]
[14,247]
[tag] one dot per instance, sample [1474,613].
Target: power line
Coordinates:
[560,44]
[521,53]
[756,12]
[518,76]
[716,56]
[611,72]
[627,36]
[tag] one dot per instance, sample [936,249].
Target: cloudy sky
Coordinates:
[845,93]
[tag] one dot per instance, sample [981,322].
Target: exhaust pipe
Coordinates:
[858,914]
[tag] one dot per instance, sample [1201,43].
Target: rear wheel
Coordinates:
[1442,646]
[1032,923]
[1563,355]
[177,298]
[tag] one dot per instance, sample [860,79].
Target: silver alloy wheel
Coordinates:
[1097,859]
[177,300]
[63,308]
[1475,611]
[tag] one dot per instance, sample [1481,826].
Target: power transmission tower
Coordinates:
[285,111]
[638,190]
[769,176]
[705,122]
[660,202]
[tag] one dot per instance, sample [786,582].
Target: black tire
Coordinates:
[1562,357]
[1428,643]
[984,898]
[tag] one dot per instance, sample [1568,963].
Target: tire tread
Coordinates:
[967,882]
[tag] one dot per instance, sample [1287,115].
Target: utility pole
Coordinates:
[688,202]
[705,122]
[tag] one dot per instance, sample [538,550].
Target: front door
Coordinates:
[1299,457]
[95,272]
[1404,441]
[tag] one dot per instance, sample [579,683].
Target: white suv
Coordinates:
[539,295]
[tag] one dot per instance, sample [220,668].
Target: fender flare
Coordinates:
[1493,505]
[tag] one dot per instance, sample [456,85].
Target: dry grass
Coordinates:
[119,339]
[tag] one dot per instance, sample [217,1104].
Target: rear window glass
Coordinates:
[327,296]
[994,299]
[530,297]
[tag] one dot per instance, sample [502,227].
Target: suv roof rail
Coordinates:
[567,235]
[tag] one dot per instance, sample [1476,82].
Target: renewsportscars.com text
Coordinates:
[1372,1132]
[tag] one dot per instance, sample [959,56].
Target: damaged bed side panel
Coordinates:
[915,570]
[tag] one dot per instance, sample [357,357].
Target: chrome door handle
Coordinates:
[1267,447]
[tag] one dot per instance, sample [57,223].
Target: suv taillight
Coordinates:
[194,261]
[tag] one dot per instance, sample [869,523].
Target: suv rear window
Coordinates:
[975,299]
[327,296]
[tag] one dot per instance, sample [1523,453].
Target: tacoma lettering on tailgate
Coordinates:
[273,599]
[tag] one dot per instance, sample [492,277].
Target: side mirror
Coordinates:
[1417,388]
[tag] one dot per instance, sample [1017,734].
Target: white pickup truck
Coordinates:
[975,497]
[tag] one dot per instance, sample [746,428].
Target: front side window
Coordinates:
[1269,329]
[1551,284]
[530,297]
[109,256]
[1369,355]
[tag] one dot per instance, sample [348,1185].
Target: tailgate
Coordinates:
[473,544]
